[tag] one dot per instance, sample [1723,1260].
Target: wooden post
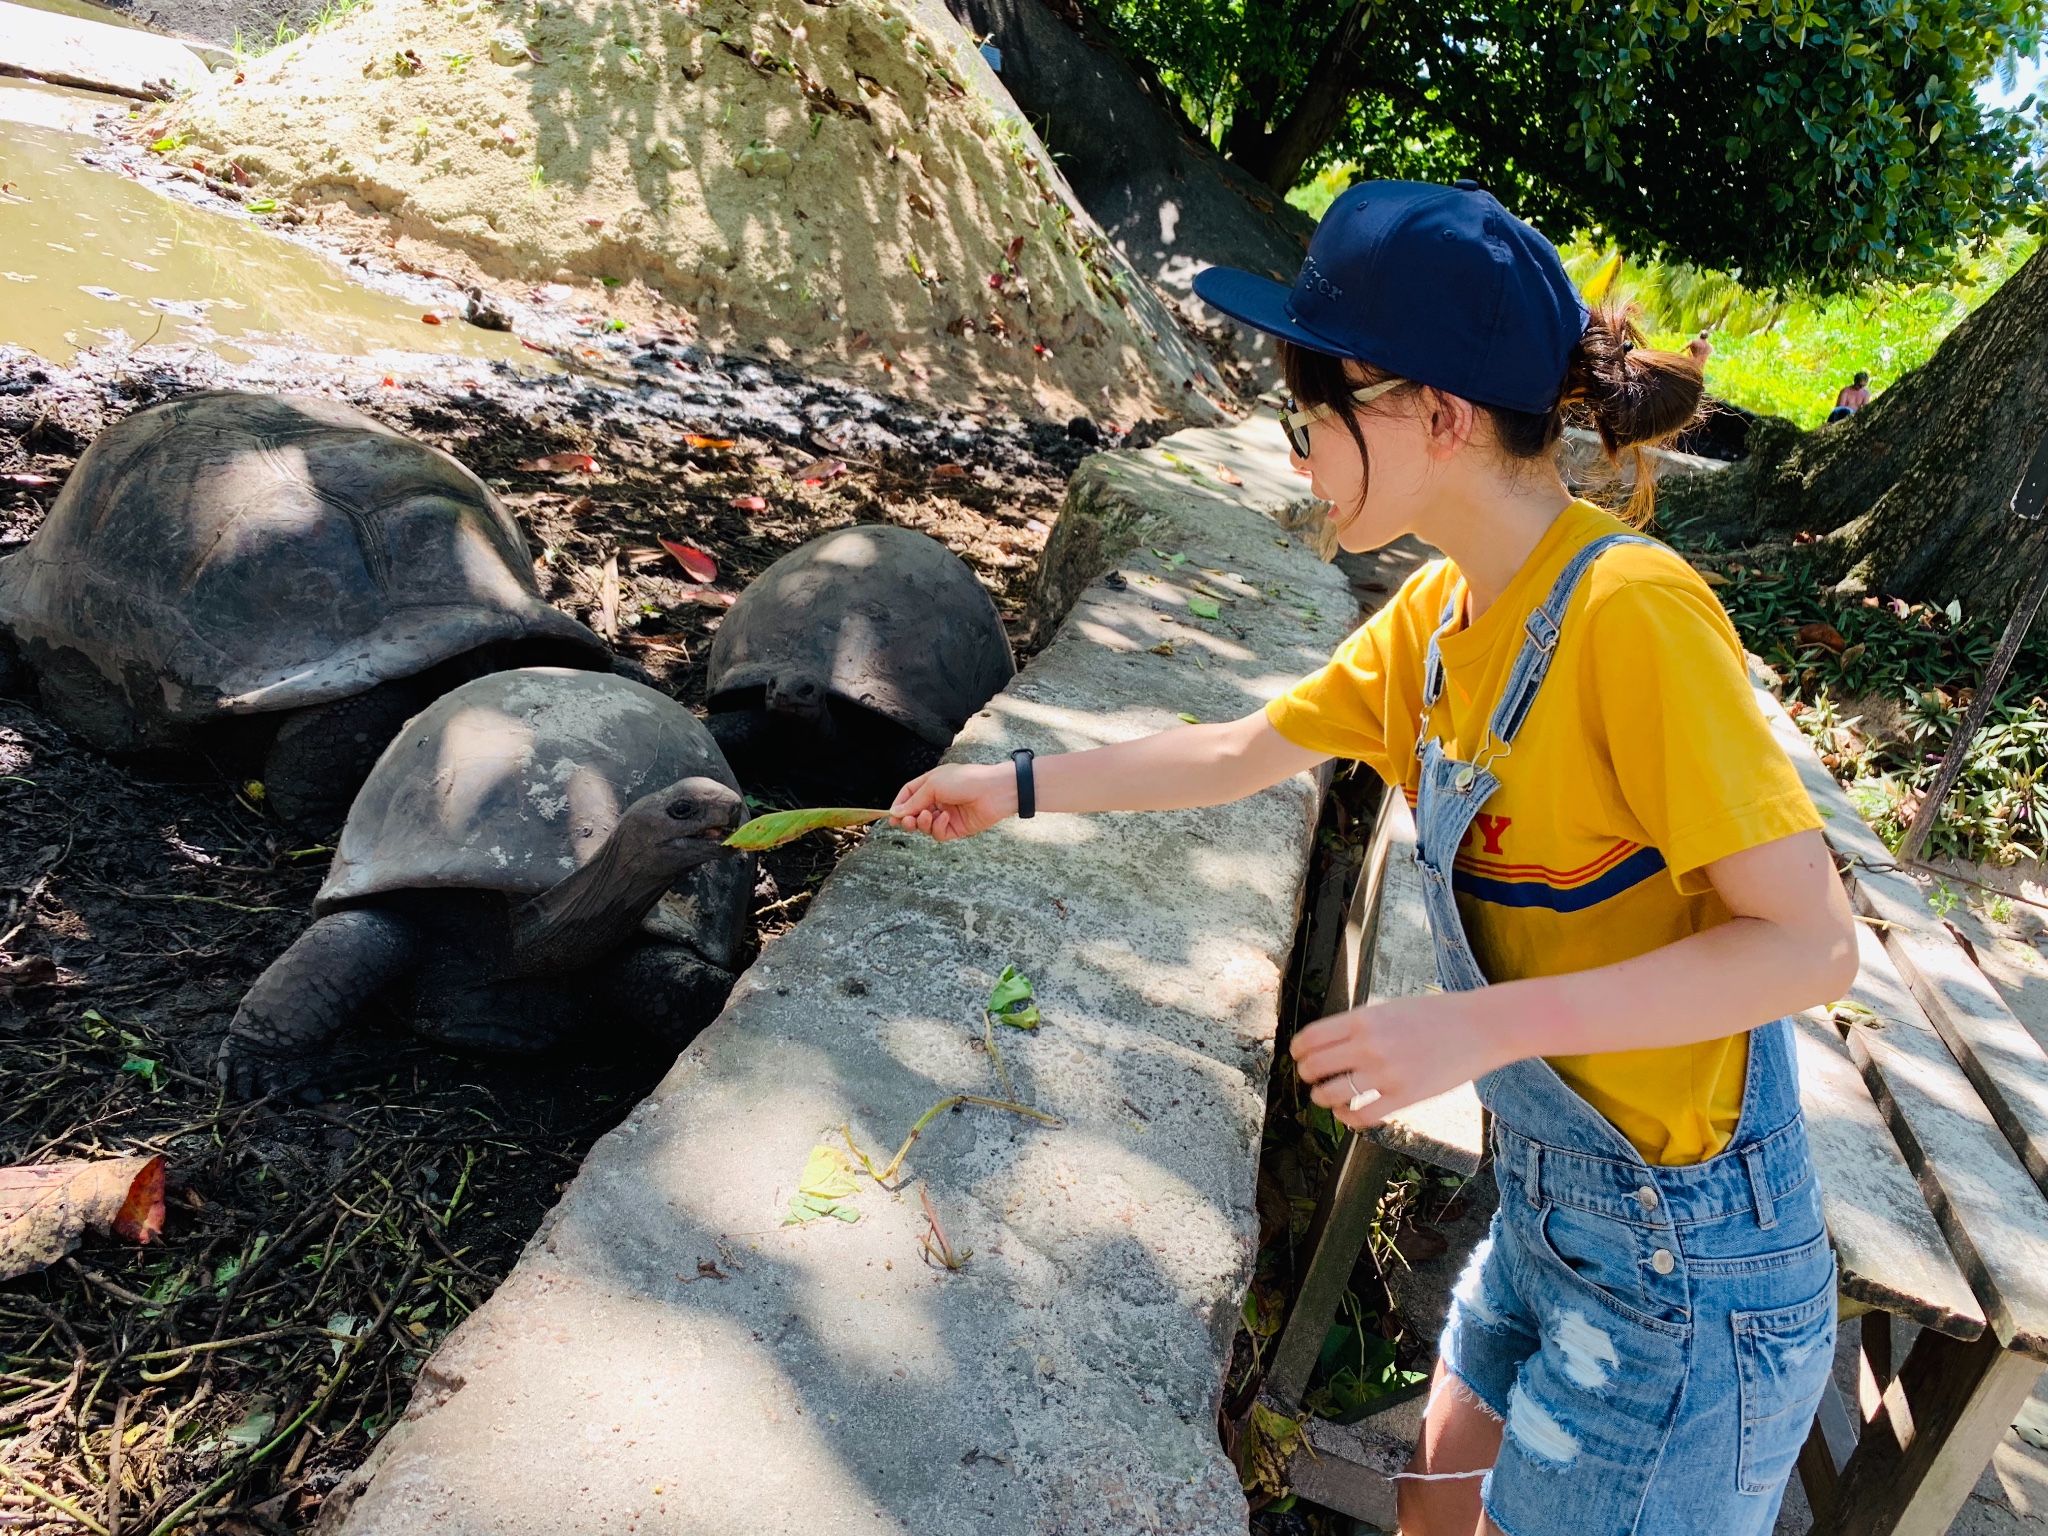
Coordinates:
[2028,501]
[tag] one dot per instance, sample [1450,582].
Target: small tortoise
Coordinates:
[279,561]
[502,875]
[852,663]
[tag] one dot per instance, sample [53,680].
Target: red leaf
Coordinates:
[1825,636]
[751,503]
[430,319]
[948,472]
[561,463]
[697,565]
[1016,248]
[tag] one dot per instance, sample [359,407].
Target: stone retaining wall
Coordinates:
[667,1357]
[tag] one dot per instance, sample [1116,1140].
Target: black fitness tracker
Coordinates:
[1027,791]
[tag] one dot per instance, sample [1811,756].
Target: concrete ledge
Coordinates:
[94,55]
[667,1357]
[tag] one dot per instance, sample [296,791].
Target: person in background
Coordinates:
[1699,349]
[1852,398]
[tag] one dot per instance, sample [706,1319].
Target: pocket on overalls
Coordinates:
[1608,1258]
[1782,1361]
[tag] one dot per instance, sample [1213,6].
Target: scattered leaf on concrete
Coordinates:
[1190,719]
[1203,608]
[696,565]
[1011,1001]
[827,1181]
[779,827]
[45,1208]
[1228,475]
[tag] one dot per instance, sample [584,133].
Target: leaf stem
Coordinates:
[938,1109]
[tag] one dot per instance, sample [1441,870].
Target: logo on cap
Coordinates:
[1312,278]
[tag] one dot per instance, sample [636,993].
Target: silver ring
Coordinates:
[1359,1097]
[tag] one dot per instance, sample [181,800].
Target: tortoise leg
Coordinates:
[519,1017]
[16,681]
[321,755]
[665,989]
[309,993]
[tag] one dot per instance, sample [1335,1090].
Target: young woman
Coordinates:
[1627,885]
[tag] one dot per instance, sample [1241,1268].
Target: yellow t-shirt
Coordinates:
[1643,759]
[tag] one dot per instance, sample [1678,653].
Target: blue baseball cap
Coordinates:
[1441,285]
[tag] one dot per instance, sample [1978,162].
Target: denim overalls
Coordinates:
[1655,1339]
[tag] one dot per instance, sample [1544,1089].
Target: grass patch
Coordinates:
[1879,685]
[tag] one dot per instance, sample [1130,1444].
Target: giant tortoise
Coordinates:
[227,556]
[502,876]
[851,663]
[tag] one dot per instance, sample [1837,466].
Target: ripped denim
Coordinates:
[1656,1361]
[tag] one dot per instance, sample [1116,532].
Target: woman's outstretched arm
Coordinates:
[1191,765]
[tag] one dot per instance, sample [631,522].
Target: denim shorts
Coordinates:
[1654,1340]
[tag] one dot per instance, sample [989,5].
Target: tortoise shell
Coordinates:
[231,553]
[885,618]
[511,782]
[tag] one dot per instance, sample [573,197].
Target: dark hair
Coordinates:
[1862,376]
[1614,386]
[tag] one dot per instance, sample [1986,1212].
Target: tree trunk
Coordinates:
[1276,158]
[1912,496]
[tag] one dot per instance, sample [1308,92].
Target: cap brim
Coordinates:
[1260,303]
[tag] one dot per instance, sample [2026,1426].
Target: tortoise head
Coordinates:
[798,696]
[690,817]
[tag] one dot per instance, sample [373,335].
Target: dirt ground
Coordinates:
[314,1255]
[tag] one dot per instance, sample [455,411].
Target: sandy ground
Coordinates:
[810,182]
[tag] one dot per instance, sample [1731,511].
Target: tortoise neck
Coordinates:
[598,906]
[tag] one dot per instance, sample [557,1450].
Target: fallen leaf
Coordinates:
[1824,635]
[430,318]
[1011,1001]
[696,565]
[751,503]
[1852,654]
[559,463]
[949,472]
[779,827]
[28,971]
[1163,648]
[1228,475]
[46,1207]
[28,479]
[710,444]
[818,471]
[1190,719]
[1202,608]
[828,1178]
[1713,578]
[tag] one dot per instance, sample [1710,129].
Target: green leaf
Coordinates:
[142,1067]
[1202,608]
[262,205]
[779,827]
[828,1174]
[1012,1002]
[1191,719]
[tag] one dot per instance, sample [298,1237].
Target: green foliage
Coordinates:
[1830,140]
[1786,353]
[1883,708]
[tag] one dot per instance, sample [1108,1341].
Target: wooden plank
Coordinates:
[1889,1250]
[1911,1479]
[1336,1237]
[1448,1130]
[1990,1211]
[1829,1445]
[2006,1063]
[1353,976]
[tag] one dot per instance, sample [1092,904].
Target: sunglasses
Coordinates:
[1295,422]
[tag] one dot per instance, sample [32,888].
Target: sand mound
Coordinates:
[818,183]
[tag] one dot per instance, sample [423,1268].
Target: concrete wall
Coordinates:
[668,1358]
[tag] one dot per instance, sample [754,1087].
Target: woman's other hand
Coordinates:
[1405,1050]
[956,800]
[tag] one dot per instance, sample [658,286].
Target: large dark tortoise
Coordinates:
[852,663]
[276,563]
[505,875]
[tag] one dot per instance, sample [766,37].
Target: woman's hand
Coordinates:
[956,800]
[1407,1050]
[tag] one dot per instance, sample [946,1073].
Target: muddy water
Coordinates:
[90,257]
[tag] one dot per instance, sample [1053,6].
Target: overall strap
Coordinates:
[1433,663]
[1544,624]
